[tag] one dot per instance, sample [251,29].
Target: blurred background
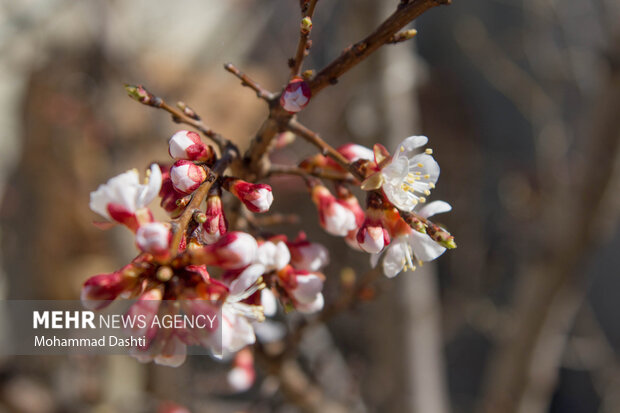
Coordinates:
[521,101]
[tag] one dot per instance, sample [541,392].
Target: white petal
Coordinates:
[151,189]
[396,171]
[394,259]
[240,379]
[269,302]
[374,259]
[308,286]
[429,166]
[434,208]
[237,332]
[313,306]
[423,246]
[269,331]
[121,189]
[412,143]
[246,279]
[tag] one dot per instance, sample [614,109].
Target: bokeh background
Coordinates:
[521,101]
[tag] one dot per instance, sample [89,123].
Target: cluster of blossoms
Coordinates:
[206,269]
[212,270]
[395,222]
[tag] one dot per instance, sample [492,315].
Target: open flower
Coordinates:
[409,246]
[124,200]
[408,177]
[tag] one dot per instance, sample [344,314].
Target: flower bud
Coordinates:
[256,197]
[186,176]
[372,236]
[354,152]
[242,375]
[187,145]
[172,200]
[233,250]
[308,256]
[154,238]
[215,225]
[335,216]
[306,25]
[295,96]
[98,290]
[307,293]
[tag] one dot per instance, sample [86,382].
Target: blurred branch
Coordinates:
[405,13]
[248,82]
[304,38]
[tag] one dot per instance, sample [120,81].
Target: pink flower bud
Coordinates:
[307,293]
[169,407]
[306,255]
[187,145]
[256,197]
[215,226]
[296,96]
[186,176]
[242,375]
[233,250]
[335,216]
[354,152]
[100,289]
[154,238]
[372,236]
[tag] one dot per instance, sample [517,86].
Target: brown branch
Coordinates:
[406,12]
[230,154]
[145,97]
[318,173]
[261,92]
[304,37]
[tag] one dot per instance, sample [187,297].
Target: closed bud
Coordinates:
[295,96]
[232,251]
[372,236]
[306,25]
[187,145]
[256,197]
[154,238]
[100,289]
[215,224]
[335,216]
[186,176]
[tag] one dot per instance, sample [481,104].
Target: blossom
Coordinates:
[335,216]
[123,199]
[242,375]
[409,246]
[172,200]
[372,236]
[233,250]
[154,238]
[306,255]
[237,316]
[295,96]
[273,255]
[408,177]
[215,225]
[304,288]
[187,145]
[186,176]
[256,197]
[100,289]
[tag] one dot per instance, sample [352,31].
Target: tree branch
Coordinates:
[406,12]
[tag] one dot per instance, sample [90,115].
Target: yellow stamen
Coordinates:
[428,151]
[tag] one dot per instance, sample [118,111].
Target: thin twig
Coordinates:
[302,45]
[261,92]
[319,173]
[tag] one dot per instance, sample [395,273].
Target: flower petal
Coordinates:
[434,208]
[151,189]
[411,143]
[423,246]
[394,259]
[246,279]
